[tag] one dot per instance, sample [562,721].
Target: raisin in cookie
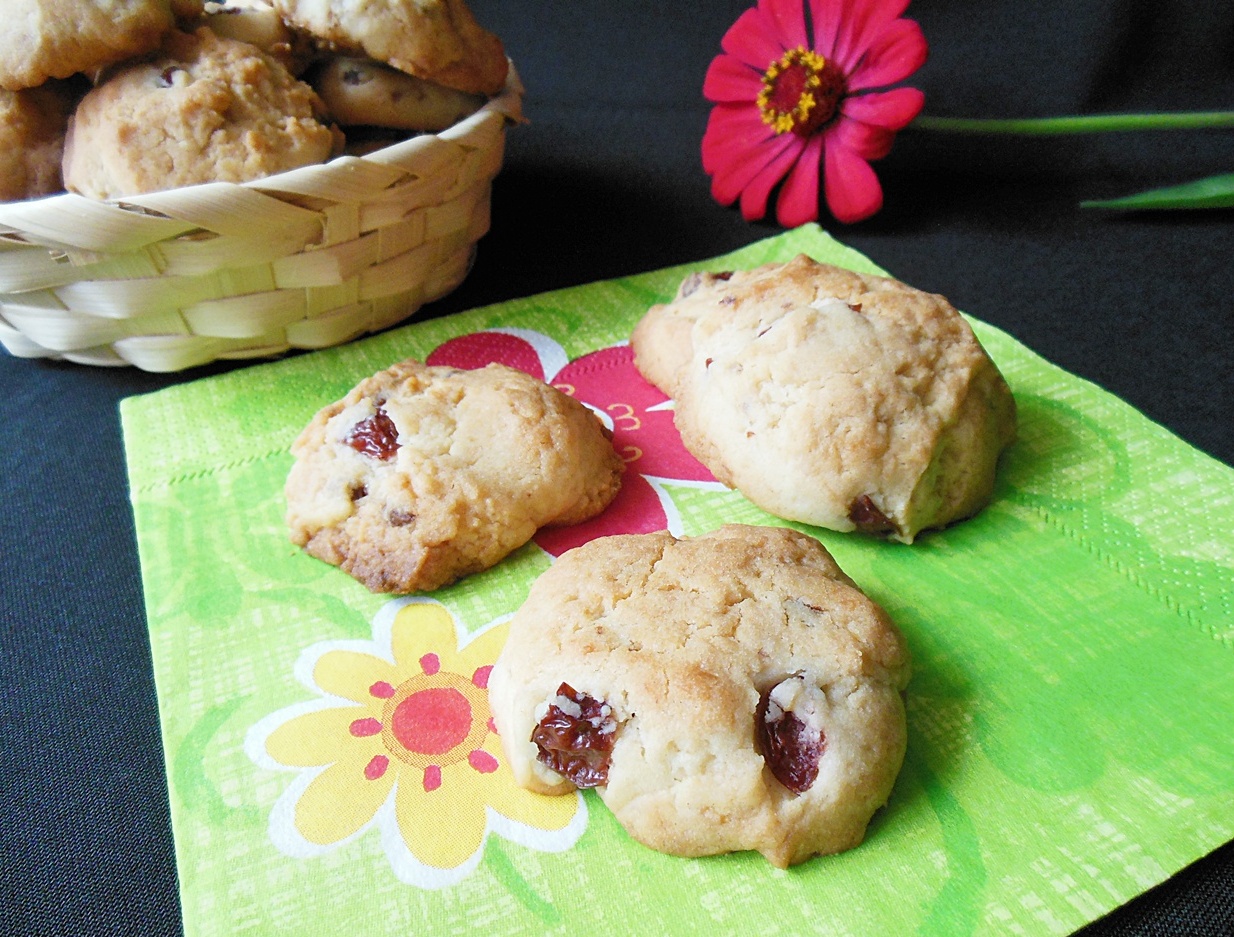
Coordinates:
[727,692]
[359,92]
[438,40]
[42,39]
[423,474]
[832,398]
[205,109]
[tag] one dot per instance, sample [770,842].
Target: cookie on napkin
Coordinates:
[843,400]
[727,692]
[423,474]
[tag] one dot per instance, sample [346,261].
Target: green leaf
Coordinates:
[1212,192]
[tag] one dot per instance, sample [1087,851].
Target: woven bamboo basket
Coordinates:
[309,258]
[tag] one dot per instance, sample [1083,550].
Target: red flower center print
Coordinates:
[639,415]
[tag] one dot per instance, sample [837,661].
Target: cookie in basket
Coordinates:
[423,474]
[42,39]
[727,692]
[437,40]
[32,125]
[843,400]
[205,109]
[257,23]
[360,92]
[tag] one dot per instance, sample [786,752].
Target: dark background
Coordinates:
[606,180]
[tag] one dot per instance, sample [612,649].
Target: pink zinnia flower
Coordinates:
[796,98]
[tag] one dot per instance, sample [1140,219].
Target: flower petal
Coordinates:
[789,19]
[635,510]
[733,131]
[852,189]
[827,17]
[643,429]
[730,178]
[866,140]
[423,628]
[539,811]
[754,196]
[322,737]
[444,827]
[338,802]
[890,110]
[798,201]
[862,22]
[897,52]
[480,348]
[753,39]
[349,674]
[729,80]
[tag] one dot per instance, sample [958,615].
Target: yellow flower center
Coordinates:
[801,92]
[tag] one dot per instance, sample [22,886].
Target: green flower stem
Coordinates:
[1096,123]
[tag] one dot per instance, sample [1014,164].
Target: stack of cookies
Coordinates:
[144,95]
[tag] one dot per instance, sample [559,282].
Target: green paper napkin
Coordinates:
[1069,715]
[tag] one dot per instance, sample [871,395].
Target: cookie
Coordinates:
[423,474]
[205,109]
[838,399]
[359,92]
[32,125]
[727,692]
[438,40]
[257,23]
[42,39]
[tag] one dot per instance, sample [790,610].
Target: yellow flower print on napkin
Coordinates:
[402,739]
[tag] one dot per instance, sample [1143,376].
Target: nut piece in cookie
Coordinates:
[727,692]
[205,109]
[843,400]
[42,39]
[437,40]
[424,474]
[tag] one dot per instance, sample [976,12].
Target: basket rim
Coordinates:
[18,216]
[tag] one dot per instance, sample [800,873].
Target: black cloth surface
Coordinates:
[606,180]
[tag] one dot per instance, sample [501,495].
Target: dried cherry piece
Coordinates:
[791,747]
[575,738]
[869,519]
[167,77]
[375,436]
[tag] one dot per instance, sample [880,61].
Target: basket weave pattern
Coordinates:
[305,259]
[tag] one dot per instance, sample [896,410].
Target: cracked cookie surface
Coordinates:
[423,474]
[843,400]
[726,692]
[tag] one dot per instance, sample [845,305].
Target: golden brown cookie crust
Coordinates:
[832,398]
[32,126]
[361,92]
[205,109]
[438,40]
[683,641]
[484,458]
[45,39]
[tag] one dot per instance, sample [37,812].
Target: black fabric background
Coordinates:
[606,180]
